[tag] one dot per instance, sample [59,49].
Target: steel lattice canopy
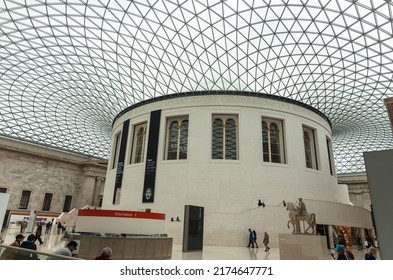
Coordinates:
[67,68]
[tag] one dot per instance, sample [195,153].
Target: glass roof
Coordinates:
[67,68]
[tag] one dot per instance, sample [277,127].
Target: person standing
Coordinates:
[250,239]
[254,237]
[369,242]
[59,227]
[23,227]
[266,241]
[48,227]
[341,239]
[359,243]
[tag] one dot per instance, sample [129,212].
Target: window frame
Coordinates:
[314,157]
[23,200]
[67,202]
[224,139]
[46,203]
[179,154]
[281,145]
[135,146]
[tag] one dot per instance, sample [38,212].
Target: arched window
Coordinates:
[310,148]
[272,141]
[217,142]
[139,143]
[177,138]
[224,137]
[183,140]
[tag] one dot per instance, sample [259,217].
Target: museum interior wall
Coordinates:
[48,180]
[228,186]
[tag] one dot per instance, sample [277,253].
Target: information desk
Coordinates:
[125,248]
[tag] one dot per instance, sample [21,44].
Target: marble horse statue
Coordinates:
[295,216]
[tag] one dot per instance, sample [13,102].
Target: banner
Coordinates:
[151,159]
[120,163]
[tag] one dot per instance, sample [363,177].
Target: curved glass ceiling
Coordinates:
[67,68]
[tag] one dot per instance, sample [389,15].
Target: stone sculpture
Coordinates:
[299,213]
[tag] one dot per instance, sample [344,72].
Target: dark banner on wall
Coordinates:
[120,163]
[151,157]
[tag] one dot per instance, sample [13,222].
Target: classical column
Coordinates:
[93,176]
[330,237]
[98,190]
[85,196]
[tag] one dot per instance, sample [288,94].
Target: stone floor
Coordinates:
[54,241]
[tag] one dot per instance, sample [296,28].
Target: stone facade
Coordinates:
[41,170]
[359,194]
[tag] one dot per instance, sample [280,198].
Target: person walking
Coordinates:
[38,234]
[266,241]
[250,239]
[254,237]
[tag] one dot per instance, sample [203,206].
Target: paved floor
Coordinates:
[54,241]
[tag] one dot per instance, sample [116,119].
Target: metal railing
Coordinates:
[17,253]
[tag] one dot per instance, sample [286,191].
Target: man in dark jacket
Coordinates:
[28,244]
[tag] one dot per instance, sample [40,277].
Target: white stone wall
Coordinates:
[228,189]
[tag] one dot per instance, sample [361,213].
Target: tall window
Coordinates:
[310,147]
[67,203]
[47,201]
[224,137]
[24,200]
[177,138]
[330,155]
[139,143]
[272,141]
[116,150]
